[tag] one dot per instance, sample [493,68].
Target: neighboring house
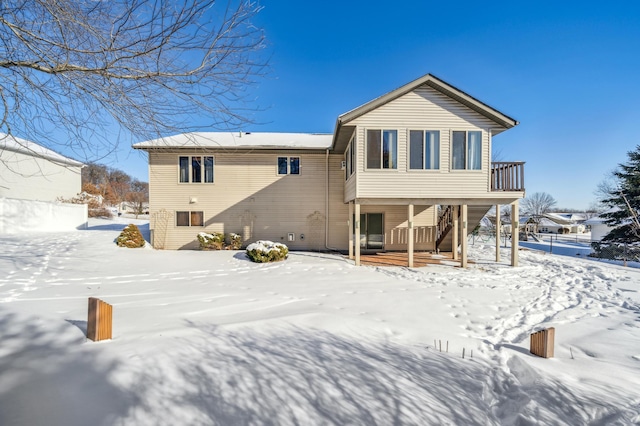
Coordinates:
[410,170]
[567,218]
[548,226]
[599,229]
[32,178]
[29,171]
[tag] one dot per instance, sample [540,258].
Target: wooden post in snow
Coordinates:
[541,342]
[100,321]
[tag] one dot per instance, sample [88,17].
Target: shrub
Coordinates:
[130,237]
[234,241]
[214,241]
[267,251]
[100,212]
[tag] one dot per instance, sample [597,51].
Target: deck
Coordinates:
[420,259]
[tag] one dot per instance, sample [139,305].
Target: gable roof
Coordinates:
[23,146]
[240,140]
[435,83]
[338,141]
[442,87]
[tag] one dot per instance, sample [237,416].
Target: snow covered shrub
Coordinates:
[130,237]
[234,241]
[214,241]
[267,251]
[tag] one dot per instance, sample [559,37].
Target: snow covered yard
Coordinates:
[211,338]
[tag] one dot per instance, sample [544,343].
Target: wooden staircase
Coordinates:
[445,225]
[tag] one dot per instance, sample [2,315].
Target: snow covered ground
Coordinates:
[211,338]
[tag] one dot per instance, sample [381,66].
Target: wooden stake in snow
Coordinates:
[440,344]
[462,353]
[99,324]
[447,346]
[541,342]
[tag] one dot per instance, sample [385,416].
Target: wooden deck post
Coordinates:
[454,233]
[100,320]
[356,219]
[498,226]
[515,233]
[463,236]
[410,235]
[351,228]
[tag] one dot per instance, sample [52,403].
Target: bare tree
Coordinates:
[610,184]
[138,197]
[538,204]
[86,74]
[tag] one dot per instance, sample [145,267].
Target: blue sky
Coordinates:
[568,71]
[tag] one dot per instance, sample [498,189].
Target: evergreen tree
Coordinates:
[624,199]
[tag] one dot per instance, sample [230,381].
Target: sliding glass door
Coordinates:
[372,231]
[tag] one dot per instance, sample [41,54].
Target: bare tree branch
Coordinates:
[538,204]
[80,69]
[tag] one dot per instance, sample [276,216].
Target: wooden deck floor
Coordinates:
[420,259]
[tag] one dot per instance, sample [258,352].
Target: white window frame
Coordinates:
[424,142]
[350,158]
[467,157]
[289,160]
[366,150]
[190,169]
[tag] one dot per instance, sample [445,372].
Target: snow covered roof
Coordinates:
[23,146]
[246,140]
[596,220]
[565,218]
[544,221]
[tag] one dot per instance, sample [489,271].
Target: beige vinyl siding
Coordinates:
[27,177]
[247,197]
[423,109]
[396,226]
[350,188]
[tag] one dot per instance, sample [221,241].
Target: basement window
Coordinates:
[190,218]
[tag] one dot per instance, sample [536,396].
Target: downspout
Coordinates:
[326,205]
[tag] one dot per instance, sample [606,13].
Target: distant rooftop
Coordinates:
[247,140]
[11,143]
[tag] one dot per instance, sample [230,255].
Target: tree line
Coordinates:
[113,187]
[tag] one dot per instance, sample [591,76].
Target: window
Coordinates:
[424,150]
[196,169]
[382,149]
[466,150]
[347,156]
[350,158]
[288,165]
[189,218]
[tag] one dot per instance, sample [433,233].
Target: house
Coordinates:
[410,170]
[32,178]
[599,228]
[29,171]
[550,226]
